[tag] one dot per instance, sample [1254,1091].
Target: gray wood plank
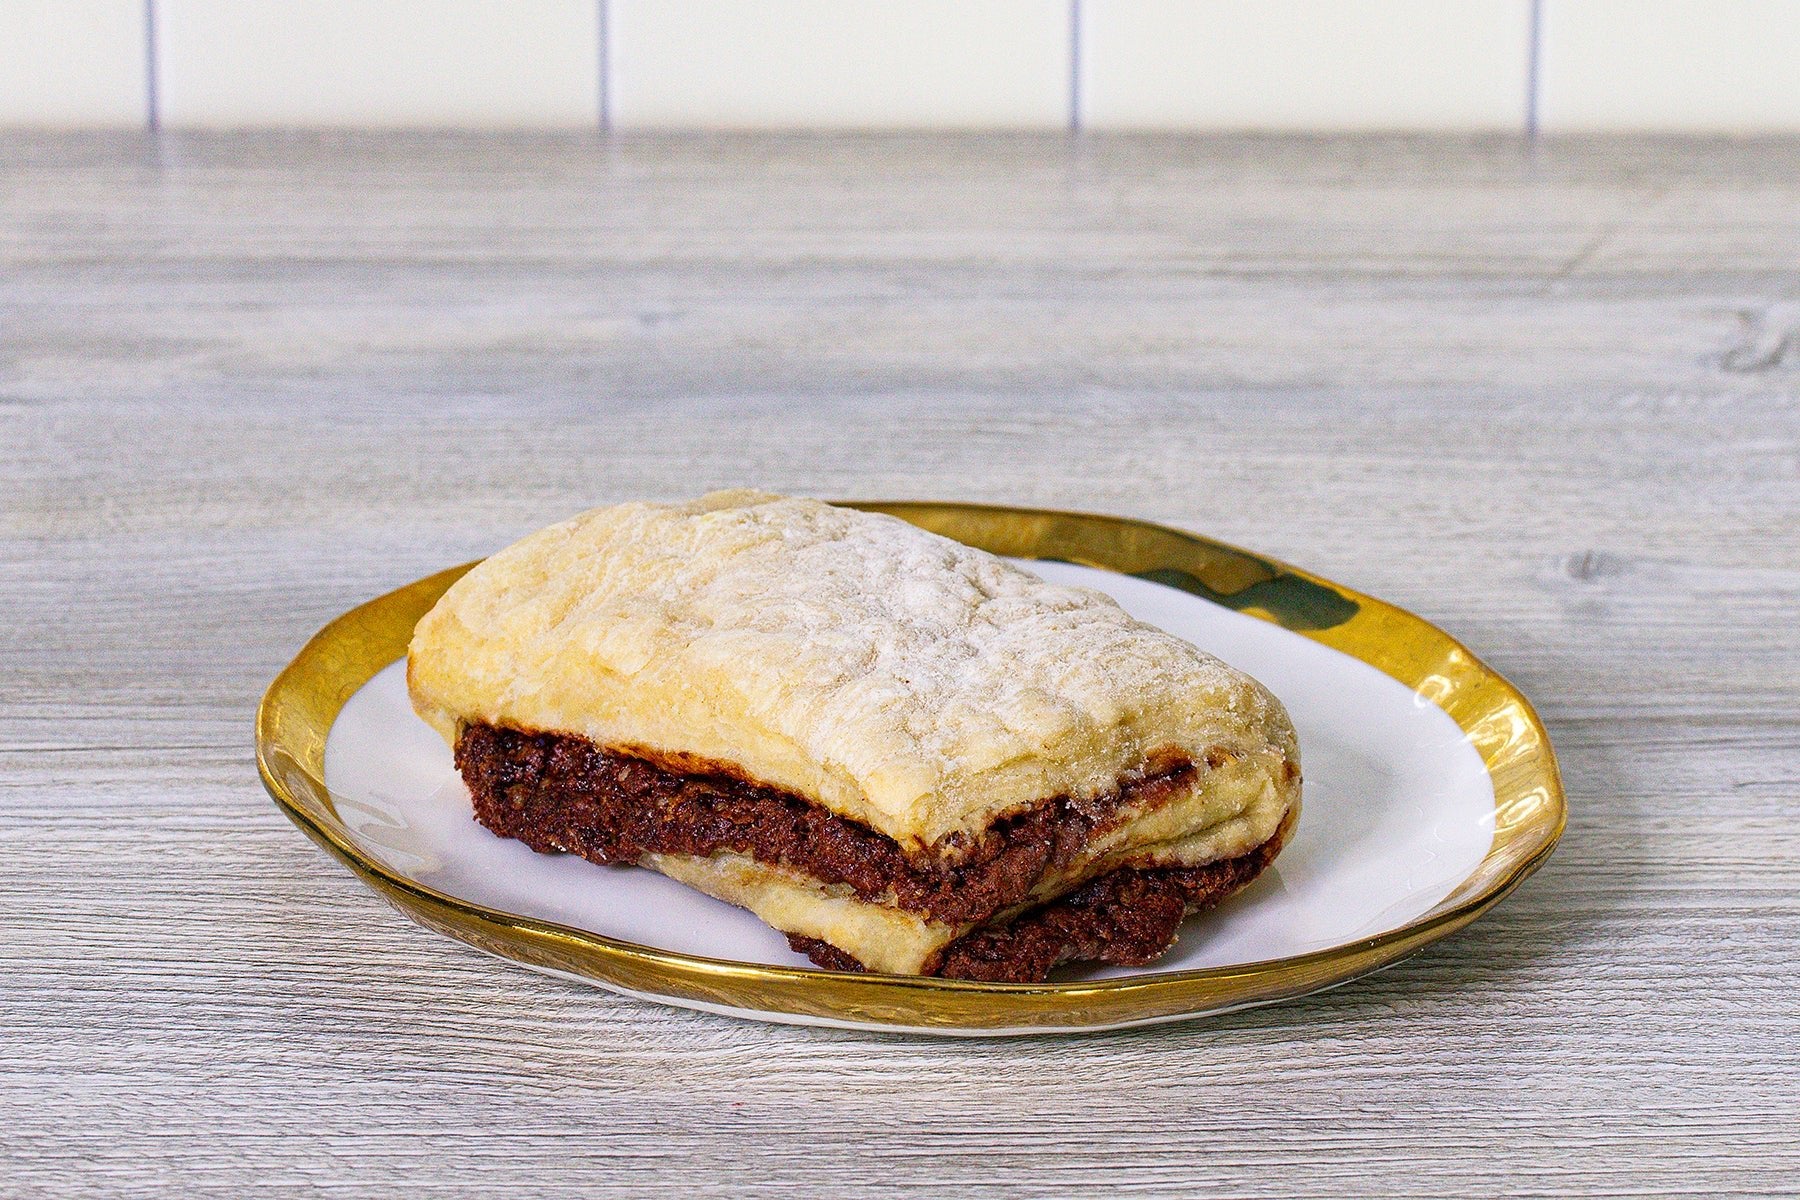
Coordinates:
[1550,400]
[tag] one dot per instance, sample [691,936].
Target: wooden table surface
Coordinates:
[1549,400]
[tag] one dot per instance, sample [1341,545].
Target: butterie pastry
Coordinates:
[908,755]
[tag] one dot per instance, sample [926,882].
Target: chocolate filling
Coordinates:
[1127,917]
[559,792]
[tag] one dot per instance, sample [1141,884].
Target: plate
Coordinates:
[1431,791]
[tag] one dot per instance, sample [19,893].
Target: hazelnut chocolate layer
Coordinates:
[557,792]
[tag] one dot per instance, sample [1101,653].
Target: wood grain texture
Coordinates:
[1548,400]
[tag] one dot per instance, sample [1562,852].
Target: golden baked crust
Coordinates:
[895,677]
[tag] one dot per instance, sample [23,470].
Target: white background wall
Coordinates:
[1706,65]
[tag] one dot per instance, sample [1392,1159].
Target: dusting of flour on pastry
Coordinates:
[891,674]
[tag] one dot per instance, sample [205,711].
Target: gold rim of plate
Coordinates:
[297,712]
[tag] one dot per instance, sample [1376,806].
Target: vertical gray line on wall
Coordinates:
[603,64]
[152,90]
[1534,70]
[1074,66]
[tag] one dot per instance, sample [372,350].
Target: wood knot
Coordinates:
[1768,339]
[1590,566]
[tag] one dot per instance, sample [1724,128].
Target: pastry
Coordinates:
[908,755]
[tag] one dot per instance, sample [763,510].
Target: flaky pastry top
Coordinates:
[894,676]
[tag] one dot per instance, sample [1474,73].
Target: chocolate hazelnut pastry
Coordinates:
[908,755]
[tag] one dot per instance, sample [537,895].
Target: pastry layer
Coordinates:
[559,792]
[1127,917]
[905,681]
